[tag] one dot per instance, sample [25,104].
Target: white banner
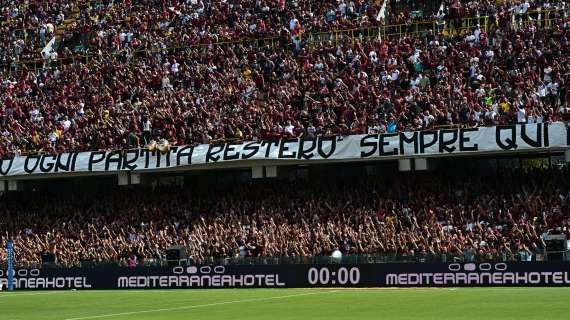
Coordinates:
[48,49]
[396,145]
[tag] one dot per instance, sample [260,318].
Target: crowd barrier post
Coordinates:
[10,265]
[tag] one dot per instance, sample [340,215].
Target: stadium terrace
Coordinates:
[154,150]
[144,89]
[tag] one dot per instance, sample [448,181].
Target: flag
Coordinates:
[48,49]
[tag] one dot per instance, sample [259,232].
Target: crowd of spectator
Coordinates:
[499,12]
[485,216]
[152,24]
[28,26]
[217,93]
[108,26]
[210,95]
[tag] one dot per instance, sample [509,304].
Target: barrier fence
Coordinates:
[539,255]
[542,19]
[295,276]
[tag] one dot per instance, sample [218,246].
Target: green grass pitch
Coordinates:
[278,304]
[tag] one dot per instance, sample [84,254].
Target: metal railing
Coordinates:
[377,258]
[542,19]
[546,20]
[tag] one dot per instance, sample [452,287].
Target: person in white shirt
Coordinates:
[553,88]
[60,18]
[49,28]
[52,137]
[409,97]
[289,128]
[166,83]
[490,54]
[174,67]
[35,114]
[415,82]
[531,118]
[521,115]
[292,23]
[319,65]
[428,119]
[373,57]
[395,75]
[146,130]
[440,17]
[122,38]
[81,110]
[342,8]
[541,90]
[373,129]
[470,38]
[311,131]
[523,8]
[477,33]
[490,114]
[66,123]
[547,74]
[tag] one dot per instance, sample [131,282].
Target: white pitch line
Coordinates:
[19,294]
[8,295]
[199,306]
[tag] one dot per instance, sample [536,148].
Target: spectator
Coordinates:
[127,95]
[132,262]
[487,215]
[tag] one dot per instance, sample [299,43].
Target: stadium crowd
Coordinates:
[488,215]
[28,26]
[500,12]
[234,93]
[109,26]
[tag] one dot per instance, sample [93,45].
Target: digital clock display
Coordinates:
[326,276]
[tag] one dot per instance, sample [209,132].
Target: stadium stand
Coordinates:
[124,98]
[109,26]
[111,75]
[499,215]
